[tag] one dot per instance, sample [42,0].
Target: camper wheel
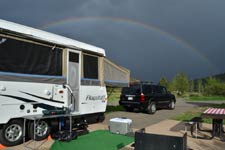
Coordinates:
[12,133]
[42,130]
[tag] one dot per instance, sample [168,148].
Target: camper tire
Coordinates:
[42,130]
[12,133]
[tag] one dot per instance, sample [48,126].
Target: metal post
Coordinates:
[34,133]
[60,124]
[24,131]
[196,130]
[70,124]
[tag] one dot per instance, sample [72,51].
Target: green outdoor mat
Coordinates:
[97,140]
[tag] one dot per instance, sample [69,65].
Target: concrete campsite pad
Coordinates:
[44,145]
[176,128]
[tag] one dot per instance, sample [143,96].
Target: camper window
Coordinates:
[29,58]
[90,66]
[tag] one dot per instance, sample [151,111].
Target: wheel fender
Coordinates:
[151,100]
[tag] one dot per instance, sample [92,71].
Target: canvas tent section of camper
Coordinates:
[26,61]
[115,75]
[44,53]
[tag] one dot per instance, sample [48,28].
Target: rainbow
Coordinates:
[173,37]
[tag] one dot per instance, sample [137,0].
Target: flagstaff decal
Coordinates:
[95,98]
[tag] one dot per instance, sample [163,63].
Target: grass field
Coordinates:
[113,94]
[206,98]
[196,112]
[114,108]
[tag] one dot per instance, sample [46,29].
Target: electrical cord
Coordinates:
[71,93]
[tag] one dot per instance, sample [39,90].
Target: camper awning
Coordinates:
[115,75]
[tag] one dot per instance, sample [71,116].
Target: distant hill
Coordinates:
[220,77]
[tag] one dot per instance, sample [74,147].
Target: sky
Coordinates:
[152,38]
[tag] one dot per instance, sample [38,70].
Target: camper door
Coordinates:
[73,77]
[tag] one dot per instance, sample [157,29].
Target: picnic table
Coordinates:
[217,115]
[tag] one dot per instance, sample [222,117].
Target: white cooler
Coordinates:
[120,125]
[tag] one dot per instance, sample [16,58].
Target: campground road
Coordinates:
[142,120]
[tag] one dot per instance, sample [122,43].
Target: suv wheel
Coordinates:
[151,109]
[171,104]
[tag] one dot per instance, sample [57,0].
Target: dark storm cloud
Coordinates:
[147,52]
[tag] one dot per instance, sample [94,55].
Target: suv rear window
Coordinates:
[161,90]
[147,89]
[132,90]
[137,89]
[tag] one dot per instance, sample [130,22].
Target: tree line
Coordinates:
[181,85]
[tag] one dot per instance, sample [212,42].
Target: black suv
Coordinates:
[147,97]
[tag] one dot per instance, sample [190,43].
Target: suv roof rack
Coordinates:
[142,82]
[146,82]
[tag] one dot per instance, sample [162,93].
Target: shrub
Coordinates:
[214,87]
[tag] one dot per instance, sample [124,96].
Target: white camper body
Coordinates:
[43,71]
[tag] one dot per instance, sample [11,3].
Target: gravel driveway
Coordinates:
[141,120]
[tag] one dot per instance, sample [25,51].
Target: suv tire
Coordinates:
[171,104]
[151,109]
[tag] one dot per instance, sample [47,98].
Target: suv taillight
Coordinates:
[142,97]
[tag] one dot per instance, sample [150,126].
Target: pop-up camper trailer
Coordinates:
[42,72]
